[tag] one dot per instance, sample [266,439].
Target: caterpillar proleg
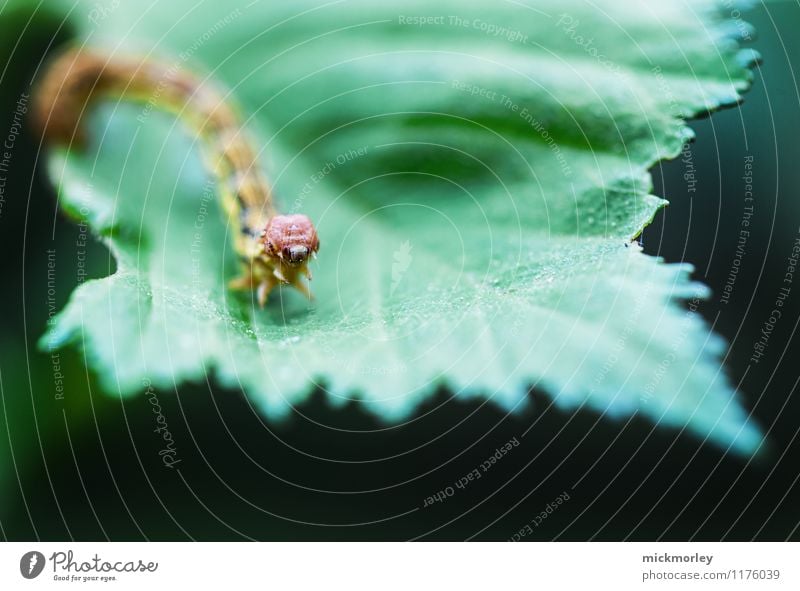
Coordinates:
[274,248]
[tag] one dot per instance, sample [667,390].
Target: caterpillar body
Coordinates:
[275,249]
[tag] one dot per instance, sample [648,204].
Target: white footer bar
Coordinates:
[400,566]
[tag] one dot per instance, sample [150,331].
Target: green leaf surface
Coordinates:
[476,178]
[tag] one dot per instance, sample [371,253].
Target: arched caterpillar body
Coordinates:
[274,248]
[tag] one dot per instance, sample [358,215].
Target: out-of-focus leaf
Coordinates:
[476,171]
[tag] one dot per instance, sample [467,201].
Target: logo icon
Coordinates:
[31,564]
[402,261]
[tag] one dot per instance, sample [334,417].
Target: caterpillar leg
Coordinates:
[263,289]
[265,282]
[247,282]
[293,278]
[243,283]
[302,288]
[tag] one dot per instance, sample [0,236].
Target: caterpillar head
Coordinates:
[290,239]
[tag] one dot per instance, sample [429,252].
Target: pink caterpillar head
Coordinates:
[290,239]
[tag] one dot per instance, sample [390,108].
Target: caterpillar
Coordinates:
[274,249]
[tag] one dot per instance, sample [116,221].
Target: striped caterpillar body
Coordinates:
[275,249]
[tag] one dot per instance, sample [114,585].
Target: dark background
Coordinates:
[86,467]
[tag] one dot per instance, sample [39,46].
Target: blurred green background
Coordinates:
[86,466]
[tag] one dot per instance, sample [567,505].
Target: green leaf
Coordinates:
[476,180]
